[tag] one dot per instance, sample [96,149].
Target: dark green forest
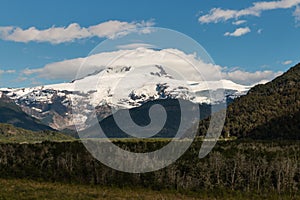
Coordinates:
[258,167]
[269,111]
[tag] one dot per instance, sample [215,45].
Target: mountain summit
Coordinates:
[114,88]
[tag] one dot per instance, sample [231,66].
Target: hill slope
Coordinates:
[9,133]
[13,114]
[268,111]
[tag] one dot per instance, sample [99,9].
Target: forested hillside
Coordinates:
[268,111]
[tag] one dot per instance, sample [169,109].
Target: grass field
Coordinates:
[21,189]
[27,189]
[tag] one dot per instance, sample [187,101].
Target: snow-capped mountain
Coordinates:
[120,87]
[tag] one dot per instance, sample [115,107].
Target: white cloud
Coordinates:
[9,71]
[28,71]
[287,62]
[239,22]
[238,32]
[218,15]
[250,78]
[135,46]
[74,31]
[259,31]
[67,70]
[296,14]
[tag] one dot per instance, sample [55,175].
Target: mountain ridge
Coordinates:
[268,111]
[52,104]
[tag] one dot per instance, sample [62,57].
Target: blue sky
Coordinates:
[252,38]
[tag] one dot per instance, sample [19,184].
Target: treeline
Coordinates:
[263,168]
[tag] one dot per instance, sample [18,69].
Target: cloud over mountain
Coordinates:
[173,58]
